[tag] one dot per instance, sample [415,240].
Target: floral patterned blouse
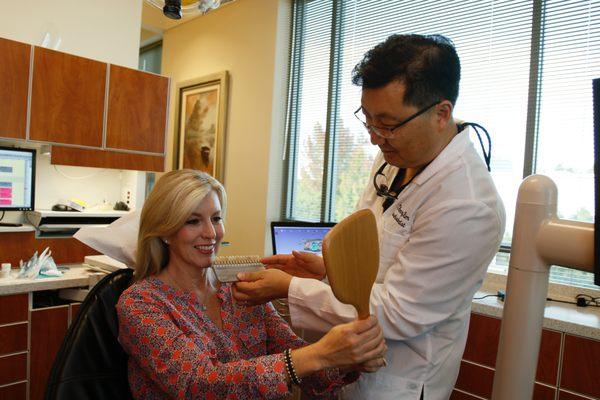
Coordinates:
[176,351]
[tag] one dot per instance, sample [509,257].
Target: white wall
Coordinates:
[249,39]
[104,30]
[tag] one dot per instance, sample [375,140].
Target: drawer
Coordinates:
[14,308]
[581,361]
[13,368]
[13,338]
[14,392]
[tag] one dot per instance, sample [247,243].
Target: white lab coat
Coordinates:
[436,242]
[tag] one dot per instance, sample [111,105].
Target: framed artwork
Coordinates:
[200,129]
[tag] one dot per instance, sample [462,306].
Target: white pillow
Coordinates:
[117,240]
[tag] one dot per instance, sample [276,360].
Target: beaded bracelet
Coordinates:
[289,367]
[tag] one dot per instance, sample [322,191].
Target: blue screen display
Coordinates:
[307,239]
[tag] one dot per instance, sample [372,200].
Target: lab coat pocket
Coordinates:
[383,386]
[392,241]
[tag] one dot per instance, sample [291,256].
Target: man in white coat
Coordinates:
[440,222]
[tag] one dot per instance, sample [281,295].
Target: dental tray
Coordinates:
[227,267]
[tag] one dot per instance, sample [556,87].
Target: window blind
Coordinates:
[526,76]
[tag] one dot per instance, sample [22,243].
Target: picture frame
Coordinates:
[200,125]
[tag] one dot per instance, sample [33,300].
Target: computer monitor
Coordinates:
[17,179]
[300,236]
[596,96]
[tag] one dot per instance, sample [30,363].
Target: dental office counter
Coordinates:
[569,360]
[568,369]
[77,275]
[22,228]
[31,332]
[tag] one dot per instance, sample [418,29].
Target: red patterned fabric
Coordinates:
[176,351]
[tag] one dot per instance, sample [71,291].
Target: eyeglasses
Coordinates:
[389,132]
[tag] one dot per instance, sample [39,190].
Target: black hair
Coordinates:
[427,65]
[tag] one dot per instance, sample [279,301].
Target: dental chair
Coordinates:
[91,364]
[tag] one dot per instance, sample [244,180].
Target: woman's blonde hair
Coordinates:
[174,198]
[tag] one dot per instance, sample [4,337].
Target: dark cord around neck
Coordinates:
[487,156]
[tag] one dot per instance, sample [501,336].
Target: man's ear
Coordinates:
[444,112]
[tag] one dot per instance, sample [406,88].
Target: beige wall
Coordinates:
[247,38]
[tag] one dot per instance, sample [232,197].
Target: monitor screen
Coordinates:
[17,179]
[596,91]
[300,236]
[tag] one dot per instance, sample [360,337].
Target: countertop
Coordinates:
[76,275]
[22,228]
[581,321]
[569,318]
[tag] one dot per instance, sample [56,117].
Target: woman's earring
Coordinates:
[166,241]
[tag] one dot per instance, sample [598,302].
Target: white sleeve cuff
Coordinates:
[313,306]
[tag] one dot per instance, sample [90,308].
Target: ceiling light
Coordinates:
[172,9]
[176,9]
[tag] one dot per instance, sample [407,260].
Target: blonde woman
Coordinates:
[185,336]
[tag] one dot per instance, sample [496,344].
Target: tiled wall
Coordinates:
[568,365]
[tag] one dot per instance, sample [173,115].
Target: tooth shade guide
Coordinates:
[227,267]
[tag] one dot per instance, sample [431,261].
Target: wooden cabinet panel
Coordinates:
[547,366]
[74,311]
[22,245]
[581,363]
[14,87]
[14,392]
[456,395]
[48,328]
[13,308]
[67,101]
[475,379]
[13,368]
[482,347]
[541,392]
[570,396]
[137,110]
[13,338]
[482,341]
[106,159]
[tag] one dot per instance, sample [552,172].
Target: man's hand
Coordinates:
[302,265]
[261,286]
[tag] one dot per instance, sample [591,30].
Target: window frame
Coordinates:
[532,125]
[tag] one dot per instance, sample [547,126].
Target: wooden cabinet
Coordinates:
[137,110]
[29,342]
[581,366]
[13,338]
[14,86]
[106,159]
[577,358]
[48,328]
[18,391]
[13,368]
[93,113]
[13,308]
[14,315]
[17,246]
[67,99]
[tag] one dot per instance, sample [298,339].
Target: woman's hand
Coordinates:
[356,345]
[372,365]
[302,265]
[261,286]
[353,343]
